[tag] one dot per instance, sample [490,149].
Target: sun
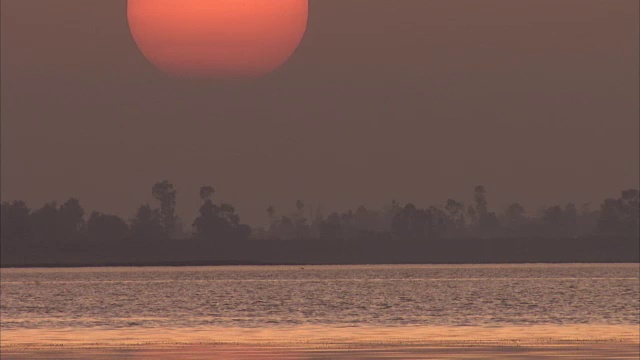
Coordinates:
[218,38]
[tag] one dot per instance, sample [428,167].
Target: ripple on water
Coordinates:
[379,296]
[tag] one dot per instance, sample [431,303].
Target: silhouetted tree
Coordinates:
[347,221]
[208,225]
[206,193]
[14,223]
[455,214]
[218,222]
[630,200]
[271,211]
[319,215]
[301,227]
[472,216]
[366,221]
[480,198]
[486,220]
[436,222]
[552,217]
[103,228]
[55,225]
[621,216]
[389,212]
[45,226]
[165,193]
[413,223]
[147,225]
[228,213]
[71,218]
[331,228]
[300,206]
[283,229]
[515,216]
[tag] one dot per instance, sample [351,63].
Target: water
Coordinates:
[281,297]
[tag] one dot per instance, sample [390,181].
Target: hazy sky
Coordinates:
[414,100]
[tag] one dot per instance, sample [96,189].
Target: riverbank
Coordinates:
[193,252]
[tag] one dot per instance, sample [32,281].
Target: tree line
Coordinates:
[615,216]
[67,223]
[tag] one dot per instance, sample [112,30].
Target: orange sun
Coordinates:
[218,38]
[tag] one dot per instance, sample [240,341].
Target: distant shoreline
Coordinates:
[192,252]
[146,264]
[254,263]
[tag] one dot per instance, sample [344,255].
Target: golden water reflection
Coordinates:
[316,342]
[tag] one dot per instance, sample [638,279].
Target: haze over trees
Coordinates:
[616,217]
[68,227]
[218,222]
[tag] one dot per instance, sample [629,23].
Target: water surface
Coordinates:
[391,305]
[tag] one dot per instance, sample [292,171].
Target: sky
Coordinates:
[412,100]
